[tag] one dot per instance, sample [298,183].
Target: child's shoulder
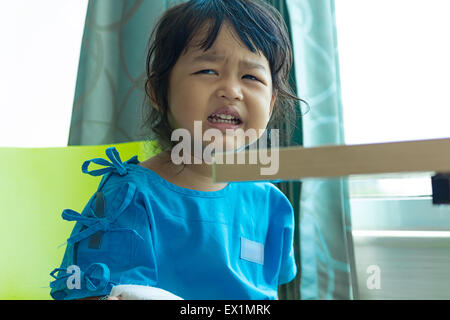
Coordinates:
[274,196]
[114,171]
[265,187]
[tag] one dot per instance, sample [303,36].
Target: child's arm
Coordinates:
[104,252]
[111,245]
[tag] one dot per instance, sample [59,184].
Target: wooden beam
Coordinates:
[341,160]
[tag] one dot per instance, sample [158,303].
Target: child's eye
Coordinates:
[252,77]
[210,71]
[206,71]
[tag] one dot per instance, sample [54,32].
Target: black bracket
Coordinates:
[440,183]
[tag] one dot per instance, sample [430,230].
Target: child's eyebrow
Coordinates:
[213,57]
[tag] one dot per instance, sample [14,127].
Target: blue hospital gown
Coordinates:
[138,228]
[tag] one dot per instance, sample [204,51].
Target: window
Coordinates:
[395,69]
[395,77]
[41,43]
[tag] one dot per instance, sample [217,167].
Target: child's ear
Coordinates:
[272,102]
[151,94]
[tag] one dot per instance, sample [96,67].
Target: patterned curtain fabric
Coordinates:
[110,81]
[326,248]
[291,189]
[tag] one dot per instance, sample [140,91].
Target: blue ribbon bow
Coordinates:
[95,277]
[94,223]
[116,163]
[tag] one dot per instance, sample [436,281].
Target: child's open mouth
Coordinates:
[224,121]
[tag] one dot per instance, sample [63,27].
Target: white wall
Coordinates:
[41,43]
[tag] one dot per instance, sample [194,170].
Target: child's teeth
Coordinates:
[215,120]
[225,116]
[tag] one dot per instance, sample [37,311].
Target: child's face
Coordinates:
[198,88]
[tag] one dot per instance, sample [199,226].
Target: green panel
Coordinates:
[37,185]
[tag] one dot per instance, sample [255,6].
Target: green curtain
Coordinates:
[110,81]
[326,248]
[292,189]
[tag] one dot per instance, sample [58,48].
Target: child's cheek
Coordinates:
[172,122]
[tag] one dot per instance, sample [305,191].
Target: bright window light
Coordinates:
[41,43]
[395,77]
[401,234]
[395,69]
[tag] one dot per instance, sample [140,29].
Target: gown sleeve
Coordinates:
[111,242]
[288,269]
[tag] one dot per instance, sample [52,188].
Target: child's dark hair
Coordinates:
[254,21]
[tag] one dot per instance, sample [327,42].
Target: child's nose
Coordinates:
[230,89]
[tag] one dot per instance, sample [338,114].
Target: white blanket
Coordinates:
[137,292]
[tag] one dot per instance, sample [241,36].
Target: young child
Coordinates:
[224,63]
